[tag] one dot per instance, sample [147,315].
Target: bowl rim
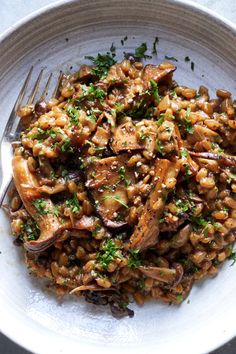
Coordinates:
[5,35]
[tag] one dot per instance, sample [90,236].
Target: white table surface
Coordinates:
[12,11]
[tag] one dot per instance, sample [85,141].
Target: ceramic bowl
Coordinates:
[57,38]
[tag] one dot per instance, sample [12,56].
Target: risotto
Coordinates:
[125,184]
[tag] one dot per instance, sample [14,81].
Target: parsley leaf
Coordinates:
[117,199]
[140,52]
[161,119]
[73,204]
[187,122]
[134,260]
[232,255]
[40,206]
[184,152]
[102,64]
[66,146]
[124,40]
[171,58]
[108,253]
[73,113]
[154,90]
[154,46]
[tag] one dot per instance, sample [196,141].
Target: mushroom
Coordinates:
[224,159]
[29,191]
[106,184]
[146,232]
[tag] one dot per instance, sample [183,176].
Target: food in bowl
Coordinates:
[125,184]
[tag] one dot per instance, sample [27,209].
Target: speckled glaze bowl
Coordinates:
[57,38]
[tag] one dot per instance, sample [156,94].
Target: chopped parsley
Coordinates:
[143,136]
[171,58]
[73,113]
[179,297]
[31,230]
[102,64]
[52,133]
[154,90]
[64,173]
[40,205]
[188,172]
[185,205]
[160,147]
[187,122]
[140,52]
[161,119]
[124,40]
[199,221]
[232,255]
[173,94]
[42,133]
[66,146]
[154,46]
[95,231]
[134,259]
[96,92]
[117,199]
[184,153]
[121,173]
[108,253]
[73,204]
[113,50]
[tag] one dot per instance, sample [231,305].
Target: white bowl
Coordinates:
[59,37]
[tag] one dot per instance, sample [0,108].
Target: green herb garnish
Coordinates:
[73,113]
[184,153]
[117,199]
[160,147]
[161,119]
[140,52]
[40,206]
[154,46]
[66,146]
[187,122]
[170,58]
[124,40]
[73,204]
[154,91]
[102,64]
[108,253]
[134,259]
[179,297]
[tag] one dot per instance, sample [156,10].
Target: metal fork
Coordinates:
[13,127]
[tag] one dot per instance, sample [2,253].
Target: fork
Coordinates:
[13,126]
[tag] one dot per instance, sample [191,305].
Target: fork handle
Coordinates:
[6,171]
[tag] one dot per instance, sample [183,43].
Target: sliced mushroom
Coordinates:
[170,276]
[203,133]
[156,73]
[125,138]
[86,223]
[146,232]
[106,183]
[181,237]
[91,287]
[227,160]
[161,274]
[28,189]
